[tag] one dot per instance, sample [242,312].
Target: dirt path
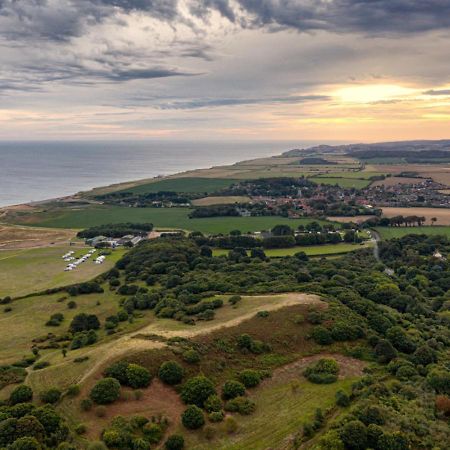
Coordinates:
[131,343]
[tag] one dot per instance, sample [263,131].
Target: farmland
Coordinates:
[441,214]
[160,217]
[316,250]
[398,232]
[33,270]
[342,182]
[208,201]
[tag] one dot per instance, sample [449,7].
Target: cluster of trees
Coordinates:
[116,230]
[398,221]
[25,426]
[148,199]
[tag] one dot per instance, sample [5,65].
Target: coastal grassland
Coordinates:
[398,232]
[208,201]
[160,217]
[28,316]
[280,413]
[441,214]
[342,182]
[192,185]
[25,271]
[359,175]
[314,250]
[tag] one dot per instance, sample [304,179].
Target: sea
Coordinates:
[35,171]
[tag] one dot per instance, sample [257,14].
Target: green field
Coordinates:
[315,250]
[160,217]
[192,185]
[342,182]
[351,175]
[398,232]
[33,270]
[280,413]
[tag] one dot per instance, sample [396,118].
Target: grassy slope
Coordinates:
[279,414]
[343,182]
[394,232]
[33,270]
[160,217]
[315,250]
[183,185]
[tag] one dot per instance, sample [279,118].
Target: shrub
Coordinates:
[170,372]
[86,404]
[191,356]
[342,399]
[193,418]
[234,299]
[174,442]
[230,425]
[41,365]
[97,446]
[322,335]
[21,394]
[152,432]
[439,380]
[216,416]
[26,443]
[323,371]
[51,396]
[141,444]
[105,391]
[73,390]
[80,429]
[197,390]
[250,378]
[138,394]
[385,351]
[138,376]
[137,422]
[262,313]
[118,371]
[213,403]
[354,435]
[241,405]
[232,389]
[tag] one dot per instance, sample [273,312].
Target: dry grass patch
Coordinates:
[442,214]
[208,201]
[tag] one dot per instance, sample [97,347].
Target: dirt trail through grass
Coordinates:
[132,343]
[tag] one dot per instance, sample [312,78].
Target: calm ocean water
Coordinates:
[33,171]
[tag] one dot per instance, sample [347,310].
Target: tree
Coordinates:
[354,435]
[138,376]
[174,442]
[30,426]
[118,371]
[342,399]
[21,394]
[424,355]
[84,322]
[51,396]
[385,351]
[232,389]
[213,403]
[170,372]
[105,391]
[193,418]
[26,443]
[282,230]
[206,251]
[250,378]
[197,390]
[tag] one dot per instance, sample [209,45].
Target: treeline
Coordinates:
[116,230]
[397,221]
[149,199]
[214,211]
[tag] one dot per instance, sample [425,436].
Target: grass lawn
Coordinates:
[394,232]
[342,182]
[194,185]
[160,217]
[34,270]
[315,250]
[280,412]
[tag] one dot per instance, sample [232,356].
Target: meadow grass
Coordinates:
[398,232]
[160,217]
[33,270]
[280,412]
[342,182]
[314,250]
[192,185]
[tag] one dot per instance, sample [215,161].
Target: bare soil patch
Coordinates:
[16,237]
[442,214]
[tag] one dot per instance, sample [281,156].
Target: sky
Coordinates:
[350,70]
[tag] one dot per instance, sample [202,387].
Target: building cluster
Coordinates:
[129,240]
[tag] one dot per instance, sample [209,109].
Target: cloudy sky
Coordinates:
[352,70]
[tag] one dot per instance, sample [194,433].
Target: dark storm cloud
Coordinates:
[438,92]
[208,103]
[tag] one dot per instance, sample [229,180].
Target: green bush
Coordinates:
[21,394]
[250,378]
[193,418]
[73,390]
[241,405]
[118,371]
[439,380]
[86,404]
[51,396]
[170,372]
[191,356]
[138,376]
[216,416]
[324,371]
[26,443]
[322,335]
[213,403]
[80,428]
[342,399]
[197,390]
[152,432]
[105,391]
[174,442]
[232,389]
[354,435]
